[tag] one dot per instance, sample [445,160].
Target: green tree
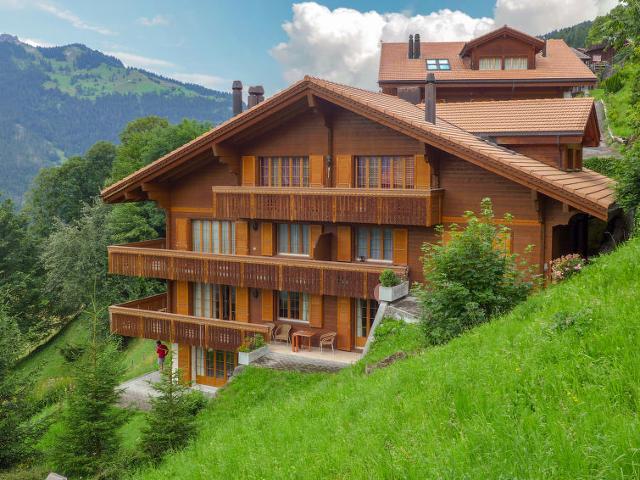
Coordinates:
[171,421]
[471,277]
[88,442]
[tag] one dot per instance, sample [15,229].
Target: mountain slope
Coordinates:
[574,36]
[59,101]
[551,390]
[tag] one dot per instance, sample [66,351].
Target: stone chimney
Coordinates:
[430,99]
[236,88]
[256,95]
[416,46]
[410,50]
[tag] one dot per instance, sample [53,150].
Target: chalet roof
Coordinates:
[586,190]
[580,54]
[499,32]
[568,116]
[559,65]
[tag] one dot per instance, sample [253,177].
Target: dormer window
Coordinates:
[490,63]
[438,64]
[516,63]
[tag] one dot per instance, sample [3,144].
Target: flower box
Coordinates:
[245,358]
[390,294]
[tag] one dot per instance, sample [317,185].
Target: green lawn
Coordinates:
[551,390]
[619,103]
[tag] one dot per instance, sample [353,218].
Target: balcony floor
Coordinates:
[340,357]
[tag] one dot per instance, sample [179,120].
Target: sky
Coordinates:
[272,42]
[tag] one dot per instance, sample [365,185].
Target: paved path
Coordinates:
[280,361]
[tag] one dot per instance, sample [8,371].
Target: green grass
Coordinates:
[619,103]
[551,390]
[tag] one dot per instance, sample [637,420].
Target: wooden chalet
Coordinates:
[504,64]
[288,212]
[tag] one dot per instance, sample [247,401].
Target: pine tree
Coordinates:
[171,421]
[89,440]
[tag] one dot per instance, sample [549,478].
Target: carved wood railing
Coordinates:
[147,318]
[317,277]
[337,205]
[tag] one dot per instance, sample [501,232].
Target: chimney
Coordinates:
[236,88]
[256,95]
[430,99]
[410,46]
[416,46]
[544,49]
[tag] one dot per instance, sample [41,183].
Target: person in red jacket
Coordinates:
[161,350]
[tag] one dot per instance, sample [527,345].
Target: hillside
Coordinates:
[574,36]
[59,101]
[550,390]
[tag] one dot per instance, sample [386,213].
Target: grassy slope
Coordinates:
[516,398]
[619,103]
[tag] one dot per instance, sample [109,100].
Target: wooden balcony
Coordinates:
[317,277]
[147,318]
[337,205]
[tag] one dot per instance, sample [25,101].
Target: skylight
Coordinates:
[438,64]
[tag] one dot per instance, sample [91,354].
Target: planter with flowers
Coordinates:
[252,349]
[392,287]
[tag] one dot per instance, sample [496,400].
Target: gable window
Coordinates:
[293,306]
[438,64]
[516,63]
[384,172]
[373,243]
[293,239]
[213,236]
[284,171]
[214,301]
[490,63]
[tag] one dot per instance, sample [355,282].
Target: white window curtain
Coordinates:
[490,63]
[515,63]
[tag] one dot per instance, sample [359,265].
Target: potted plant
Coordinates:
[392,287]
[252,349]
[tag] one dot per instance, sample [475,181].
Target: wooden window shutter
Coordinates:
[344,243]
[242,304]
[315,314]
[242,237]
[316,174]
[344,171]
[400,247]
[249,171]
[182,298]
[314,233]
[343,314]
[422,172]
[184,362]
[267,305]
[183,227]
[268,242]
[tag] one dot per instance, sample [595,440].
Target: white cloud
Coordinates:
[34,42]
[133,60]
[209,81]
[542,16]
[158,20]
[344,44]
[72,18]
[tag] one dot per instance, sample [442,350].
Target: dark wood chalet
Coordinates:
[288,212]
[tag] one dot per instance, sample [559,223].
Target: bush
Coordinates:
[252,343]
[388,278]
[470,277]
[566,266]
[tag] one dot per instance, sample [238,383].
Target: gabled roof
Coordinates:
[505,30]
[560,65]
[566,116]
[585,190]
[580,54]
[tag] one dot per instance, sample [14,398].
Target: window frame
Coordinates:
[304,239]
[438,64]
[493,57]
[274,169]
[520,57]
[382,244]
[214,233]
[402,165]
[302,301]
[212,297]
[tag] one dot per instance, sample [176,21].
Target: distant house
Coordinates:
[579,52]
[504,64]
[600,56]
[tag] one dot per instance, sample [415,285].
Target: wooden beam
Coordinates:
[538,139]
[311,100]
[159,194]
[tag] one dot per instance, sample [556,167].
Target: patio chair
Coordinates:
[282,333]
[327,339]
[272,329]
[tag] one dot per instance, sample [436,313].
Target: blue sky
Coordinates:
[214,42]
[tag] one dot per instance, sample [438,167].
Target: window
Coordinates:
[213,236]
[438,64]
[365,315]
[215,364]
[374,243]
[214,301]
[573,158]
[384,172]
[516,63]
[293,238]
[490,63]
[284,171]
[293,306]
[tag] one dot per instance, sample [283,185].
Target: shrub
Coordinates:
[470,277]
[566,266]
[388,278]
[252,343]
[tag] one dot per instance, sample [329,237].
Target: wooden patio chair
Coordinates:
[327,339]
[282,333]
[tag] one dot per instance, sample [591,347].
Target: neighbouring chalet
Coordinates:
[504,64]
[288,212]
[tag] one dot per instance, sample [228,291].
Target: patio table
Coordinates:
[295,339]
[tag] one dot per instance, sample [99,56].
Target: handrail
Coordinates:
[331,191]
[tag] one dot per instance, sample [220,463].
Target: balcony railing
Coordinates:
[338,205]
[147,318]
[317,277]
